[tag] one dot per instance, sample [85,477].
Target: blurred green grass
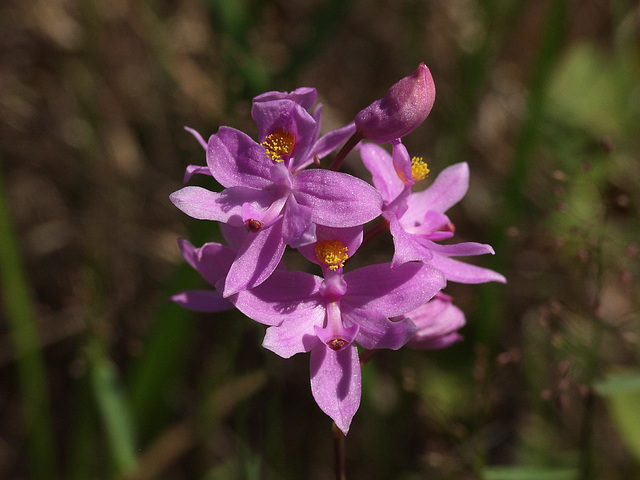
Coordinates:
[102,377]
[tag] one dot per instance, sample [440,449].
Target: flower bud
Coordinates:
[401,110]
[438,322]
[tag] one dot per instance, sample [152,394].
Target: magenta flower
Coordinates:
[268,191]
[417,220]
[438,322]
[401,110]
[326,316]
[212,261]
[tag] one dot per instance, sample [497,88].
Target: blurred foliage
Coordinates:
[101,377]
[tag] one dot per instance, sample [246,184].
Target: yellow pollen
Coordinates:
[419,169]
[332,253]
[279,145]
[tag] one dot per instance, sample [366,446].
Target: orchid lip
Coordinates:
[335,335]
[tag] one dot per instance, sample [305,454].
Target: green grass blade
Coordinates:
[16,298]
[163,358]
[114,409]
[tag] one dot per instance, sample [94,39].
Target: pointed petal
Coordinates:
[295,335]
[235,159]
[188,252]
[202,301]
[332,140]
[284,295]
[402,162]
[304,159]
[336,383]
[378,161]
[380,332]
[212,260]
[304,96]
[457,271]
[336,198]
[381,291]
[407,247]
[287,116]
[225,206]
[192,170]
[256,260]
[463,249]
[197,136]
[448,189]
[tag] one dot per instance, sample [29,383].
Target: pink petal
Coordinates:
[202,301]
[463,249]
[336,198]
[379,163]
[212,260]
[225,206]
[336,383]
[256,260]
[457,271]
[382,291]
[297,228]
[282,297]
[304,96]
[402,162]
[195,170]
[448,189]
[380,332]
[407,247]
[437,322]
[235,159]
[288,116]
[295,335]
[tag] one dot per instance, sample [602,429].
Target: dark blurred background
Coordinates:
[102,378]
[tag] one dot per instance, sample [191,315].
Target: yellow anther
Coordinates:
[419,169]
[279,145]
[332,253]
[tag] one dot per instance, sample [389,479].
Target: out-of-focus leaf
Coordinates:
[622,393]
[529,473]
[114,410]
[16,299]
[588,91]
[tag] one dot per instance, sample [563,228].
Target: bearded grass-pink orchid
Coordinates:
[212,261]
[269,192]
[437,322]
[417,220]
[326,317]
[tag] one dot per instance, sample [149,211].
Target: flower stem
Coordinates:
[338,450]
[346,148]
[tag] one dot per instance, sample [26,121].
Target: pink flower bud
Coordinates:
[401,110]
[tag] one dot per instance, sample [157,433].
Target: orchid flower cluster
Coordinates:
[273,197]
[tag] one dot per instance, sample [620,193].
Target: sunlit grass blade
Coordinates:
[16,298]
